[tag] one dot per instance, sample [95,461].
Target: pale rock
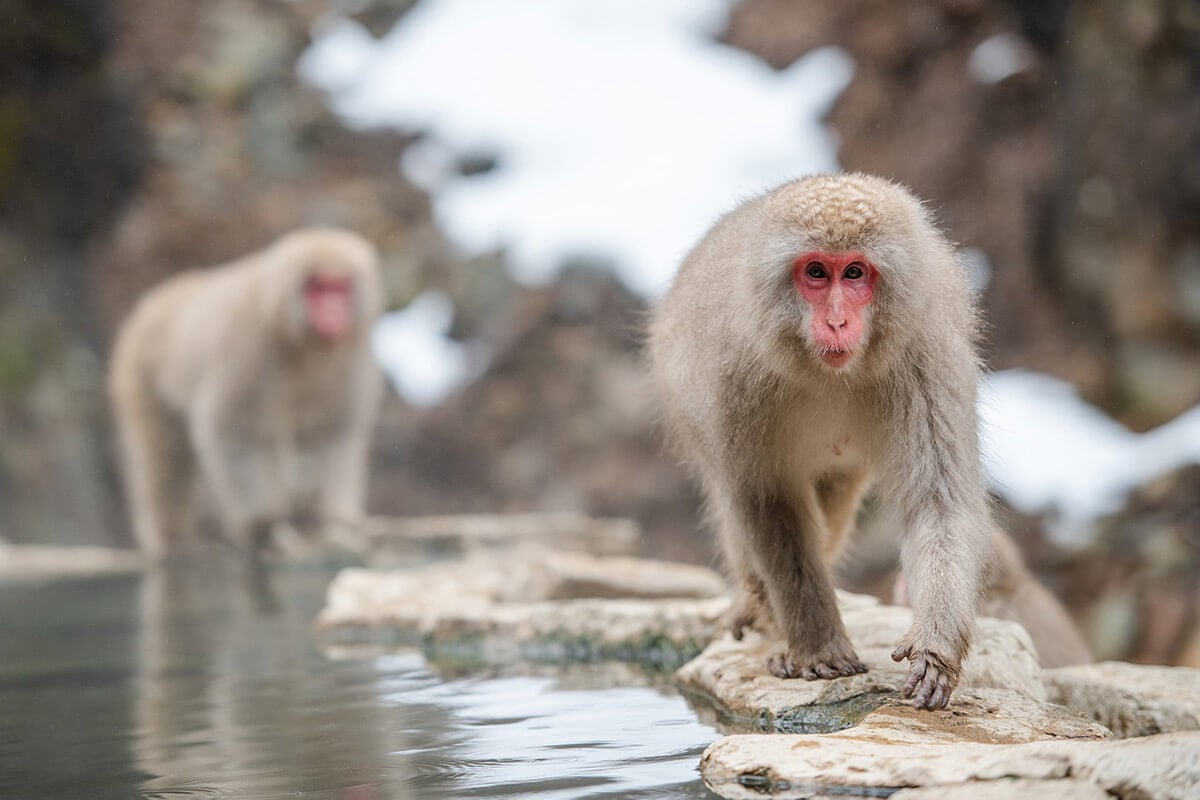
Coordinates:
[403,541]
[734,673]
[1130,699]
[857,762]
[565,576]
[41,562]
[1008,789]
[502,608]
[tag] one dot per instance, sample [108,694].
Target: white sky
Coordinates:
[621,130]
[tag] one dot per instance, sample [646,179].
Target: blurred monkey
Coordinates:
[256,378]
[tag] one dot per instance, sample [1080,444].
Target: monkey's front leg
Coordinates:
[785,549]
[942,561]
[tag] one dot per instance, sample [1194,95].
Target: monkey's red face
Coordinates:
[329,300]
[838,288]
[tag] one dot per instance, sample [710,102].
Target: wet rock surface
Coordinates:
[734,675]
[841,764]
[1012,730]
[1131,700]
[532,604]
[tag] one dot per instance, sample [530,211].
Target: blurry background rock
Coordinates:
[1060,139]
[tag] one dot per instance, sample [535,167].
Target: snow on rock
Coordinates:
[1047,451]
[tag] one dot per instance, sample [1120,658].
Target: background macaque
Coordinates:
[818,341]
[256,377]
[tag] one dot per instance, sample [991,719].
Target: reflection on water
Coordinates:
[197,684]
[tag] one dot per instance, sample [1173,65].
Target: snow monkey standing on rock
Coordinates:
[256,377]
[817,342]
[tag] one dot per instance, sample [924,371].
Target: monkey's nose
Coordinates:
[836,324]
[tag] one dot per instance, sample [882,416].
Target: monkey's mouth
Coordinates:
[837,358]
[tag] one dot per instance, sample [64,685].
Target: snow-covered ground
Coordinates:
[620,130]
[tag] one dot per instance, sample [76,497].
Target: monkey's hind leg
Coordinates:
[751,608]
[840,494]
[159,473]
[785,542]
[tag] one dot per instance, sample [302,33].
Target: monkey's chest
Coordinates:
[817,443]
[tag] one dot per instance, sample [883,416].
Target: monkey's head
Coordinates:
[842,253]
[327,285]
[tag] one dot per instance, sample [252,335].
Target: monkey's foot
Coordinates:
[837,662]
[930,678]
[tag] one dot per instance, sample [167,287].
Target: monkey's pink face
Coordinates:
[329,300]
[838,288]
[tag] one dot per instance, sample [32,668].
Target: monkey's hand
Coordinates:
[836,660]
[930,677]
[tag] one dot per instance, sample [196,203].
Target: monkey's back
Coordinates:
[174,331]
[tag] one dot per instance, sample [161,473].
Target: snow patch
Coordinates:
[1047,451]
[420,360]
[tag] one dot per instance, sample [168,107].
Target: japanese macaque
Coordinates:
[818,342]
[256,380]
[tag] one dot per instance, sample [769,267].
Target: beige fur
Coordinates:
[216,375]
[784,445]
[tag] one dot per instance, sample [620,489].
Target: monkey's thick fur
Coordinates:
[785,445]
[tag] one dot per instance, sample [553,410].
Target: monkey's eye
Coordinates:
[814,271]
[853,272]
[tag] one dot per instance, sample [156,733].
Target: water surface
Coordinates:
[201,683]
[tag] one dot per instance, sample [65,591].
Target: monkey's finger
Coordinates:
[915,675]
[925,695]
[902,652]
[941,696]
